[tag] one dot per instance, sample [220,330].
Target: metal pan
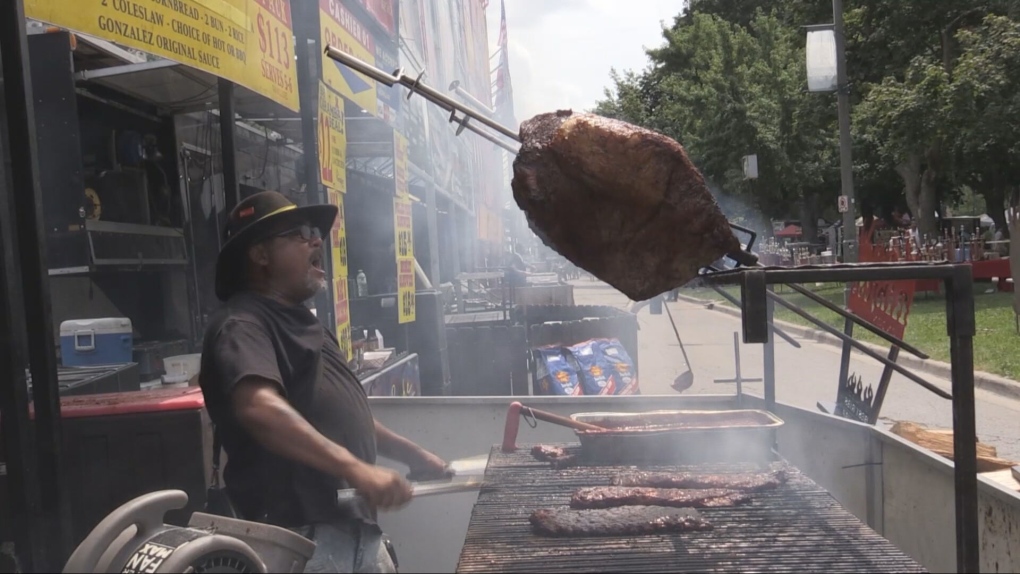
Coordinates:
[679,437]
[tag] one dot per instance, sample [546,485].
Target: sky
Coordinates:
[561,51]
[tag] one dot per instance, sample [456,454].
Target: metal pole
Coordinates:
[231,191]
[844,358]
[15,424]
[479,105]
[769,358]
[432,222]
[960,325]
[846,161]
[416,86]
[306,32]
[54,546]
[435,274]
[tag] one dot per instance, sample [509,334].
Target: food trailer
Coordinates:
[856,498]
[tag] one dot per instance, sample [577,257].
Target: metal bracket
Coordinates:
[753,302]
[739,379]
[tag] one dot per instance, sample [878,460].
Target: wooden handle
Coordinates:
[558,420]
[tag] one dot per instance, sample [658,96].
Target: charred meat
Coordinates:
[627,521]
[685,420]
[615,496]
[547,453]
[623,202]
[557,457]
[744,482]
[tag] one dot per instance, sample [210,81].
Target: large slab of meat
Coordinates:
[615,496]
[627,521]
[744,482]
[620,201]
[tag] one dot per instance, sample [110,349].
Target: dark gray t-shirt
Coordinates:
[258,336]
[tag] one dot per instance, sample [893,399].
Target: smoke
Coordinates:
[740,211]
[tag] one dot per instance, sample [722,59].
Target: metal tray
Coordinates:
[680,437]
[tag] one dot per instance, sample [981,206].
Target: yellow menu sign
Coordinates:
[403,231]
[341,30]
[405,258]
[249,42]
[332,140]
[338,237]
[338,249]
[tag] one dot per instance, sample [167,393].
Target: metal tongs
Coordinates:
[465,475]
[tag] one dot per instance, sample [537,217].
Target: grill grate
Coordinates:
[798,527]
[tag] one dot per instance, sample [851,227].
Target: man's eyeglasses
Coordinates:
[305,232]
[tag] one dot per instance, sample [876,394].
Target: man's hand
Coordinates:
[381,487]
[423,464]
[428,467]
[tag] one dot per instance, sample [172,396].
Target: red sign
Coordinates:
[884,303]
[385,12]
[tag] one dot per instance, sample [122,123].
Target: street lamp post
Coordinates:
[826,69]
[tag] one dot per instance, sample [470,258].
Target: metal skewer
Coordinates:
[415,86]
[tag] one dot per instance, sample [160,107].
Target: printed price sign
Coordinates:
[274,71]
[338,236]
[338,251]
[403,230]
[404,242]
[332,140]
[249,42]
[343,318]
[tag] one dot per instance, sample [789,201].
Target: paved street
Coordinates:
[804,376]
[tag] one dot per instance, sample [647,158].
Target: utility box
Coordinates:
[88,342]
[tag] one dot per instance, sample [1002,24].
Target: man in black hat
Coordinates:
[293,419]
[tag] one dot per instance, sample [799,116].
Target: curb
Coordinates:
[982,380]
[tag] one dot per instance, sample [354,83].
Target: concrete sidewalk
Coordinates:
[804,376]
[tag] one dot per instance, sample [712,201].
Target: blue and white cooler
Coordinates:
[87,342]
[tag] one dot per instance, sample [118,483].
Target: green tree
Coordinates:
[903,54]
[933,87]
[985,107]
[725,90]
[906,122]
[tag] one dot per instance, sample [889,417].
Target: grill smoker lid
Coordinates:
[798,527]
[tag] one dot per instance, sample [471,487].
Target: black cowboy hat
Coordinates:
[249,221]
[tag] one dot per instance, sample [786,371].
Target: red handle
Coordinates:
[513,423]
[562,421]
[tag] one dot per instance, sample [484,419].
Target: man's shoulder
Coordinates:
[237,311]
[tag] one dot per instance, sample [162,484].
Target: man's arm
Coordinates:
[422,463]
[274,424]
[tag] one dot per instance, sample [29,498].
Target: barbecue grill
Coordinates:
[797,527]
[757,302]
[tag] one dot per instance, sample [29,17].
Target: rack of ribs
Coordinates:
[744,482]
[627,521]
[615,496]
